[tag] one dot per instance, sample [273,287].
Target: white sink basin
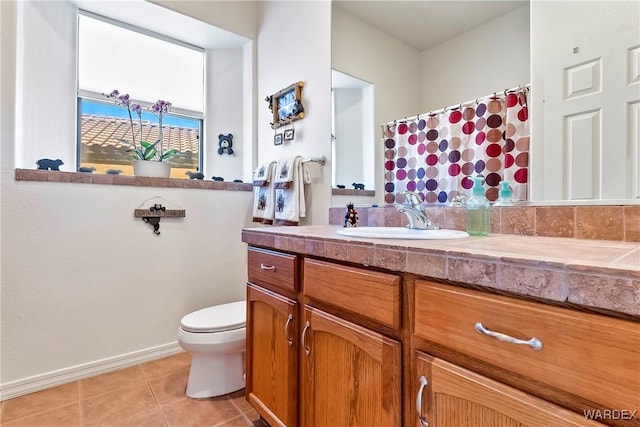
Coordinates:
[401,233]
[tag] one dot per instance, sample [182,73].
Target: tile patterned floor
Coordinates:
[151,394]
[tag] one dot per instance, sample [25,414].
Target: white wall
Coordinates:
[294,45]
[85,285]
[239,17]
[224,108]
[487,59]
[39,131]
[365,52]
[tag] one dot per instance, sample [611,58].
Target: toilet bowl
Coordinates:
[215,337]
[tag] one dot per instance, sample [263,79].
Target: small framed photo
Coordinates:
[277,139]
[288,134]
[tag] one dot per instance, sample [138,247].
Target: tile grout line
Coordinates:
[155,398]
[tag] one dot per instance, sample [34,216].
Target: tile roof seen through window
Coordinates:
[100,131]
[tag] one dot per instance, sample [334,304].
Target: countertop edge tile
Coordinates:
[604,278]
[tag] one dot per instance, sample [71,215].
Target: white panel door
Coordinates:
[591,119]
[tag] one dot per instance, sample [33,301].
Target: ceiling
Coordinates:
[423,24]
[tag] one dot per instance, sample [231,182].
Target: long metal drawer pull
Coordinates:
[534,342]
[286,329]
[267,267]
[307,350]
[423,384]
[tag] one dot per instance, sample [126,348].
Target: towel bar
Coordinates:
[322,160]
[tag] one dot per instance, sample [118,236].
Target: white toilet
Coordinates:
[215,337]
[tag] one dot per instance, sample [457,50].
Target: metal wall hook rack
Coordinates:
[153,214]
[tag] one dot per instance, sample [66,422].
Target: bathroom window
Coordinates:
[149,67]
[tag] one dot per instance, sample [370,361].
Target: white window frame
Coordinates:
[99,97]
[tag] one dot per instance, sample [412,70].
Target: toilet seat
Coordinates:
[219,318]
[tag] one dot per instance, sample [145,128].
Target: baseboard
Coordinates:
[54,378]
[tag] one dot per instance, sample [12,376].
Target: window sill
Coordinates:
[352,192]
[137,181]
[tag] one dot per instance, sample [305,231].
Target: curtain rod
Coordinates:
[460,105]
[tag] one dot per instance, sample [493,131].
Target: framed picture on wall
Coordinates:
[277,139]
[288,134]
[286,105]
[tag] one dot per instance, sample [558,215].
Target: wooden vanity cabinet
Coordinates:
[272,356]
[351,375]
[273,330]
[451,396]
[351,370]
[329,344]
[589,361]
[338,364]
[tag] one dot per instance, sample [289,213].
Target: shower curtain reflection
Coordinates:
[438,154]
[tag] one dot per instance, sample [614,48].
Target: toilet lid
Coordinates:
[218,318]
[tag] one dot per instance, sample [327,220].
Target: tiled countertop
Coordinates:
[591,273]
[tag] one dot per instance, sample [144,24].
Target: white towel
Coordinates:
[264,193]
[285,170]
[290,176]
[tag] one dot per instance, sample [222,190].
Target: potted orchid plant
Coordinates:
[145,151]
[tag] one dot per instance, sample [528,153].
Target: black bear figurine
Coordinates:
[357,186]
[194,175]
[48,164]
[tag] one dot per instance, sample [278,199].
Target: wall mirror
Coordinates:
[352,137]
[564,49]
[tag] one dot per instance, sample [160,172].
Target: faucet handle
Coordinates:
[412,198]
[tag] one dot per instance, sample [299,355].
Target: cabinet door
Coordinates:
[272,356]
[351,376]
[455,397]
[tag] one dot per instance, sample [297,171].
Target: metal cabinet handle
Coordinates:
[286,329]
[307,350]
[267,267]
[423,384]
[534,342]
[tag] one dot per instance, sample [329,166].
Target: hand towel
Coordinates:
[264,193]
[291,175]
[285,170]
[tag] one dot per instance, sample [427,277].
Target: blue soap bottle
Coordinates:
[478,217]
[504,195]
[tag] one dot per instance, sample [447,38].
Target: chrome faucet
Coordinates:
[415,213]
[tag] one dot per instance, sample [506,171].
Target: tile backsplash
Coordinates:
[615,222]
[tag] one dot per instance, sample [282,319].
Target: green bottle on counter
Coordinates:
[478,217]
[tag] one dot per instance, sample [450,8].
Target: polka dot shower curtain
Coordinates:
[437,155]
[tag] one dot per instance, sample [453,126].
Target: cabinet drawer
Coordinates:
[268,268]
[588,355]
[371,294]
